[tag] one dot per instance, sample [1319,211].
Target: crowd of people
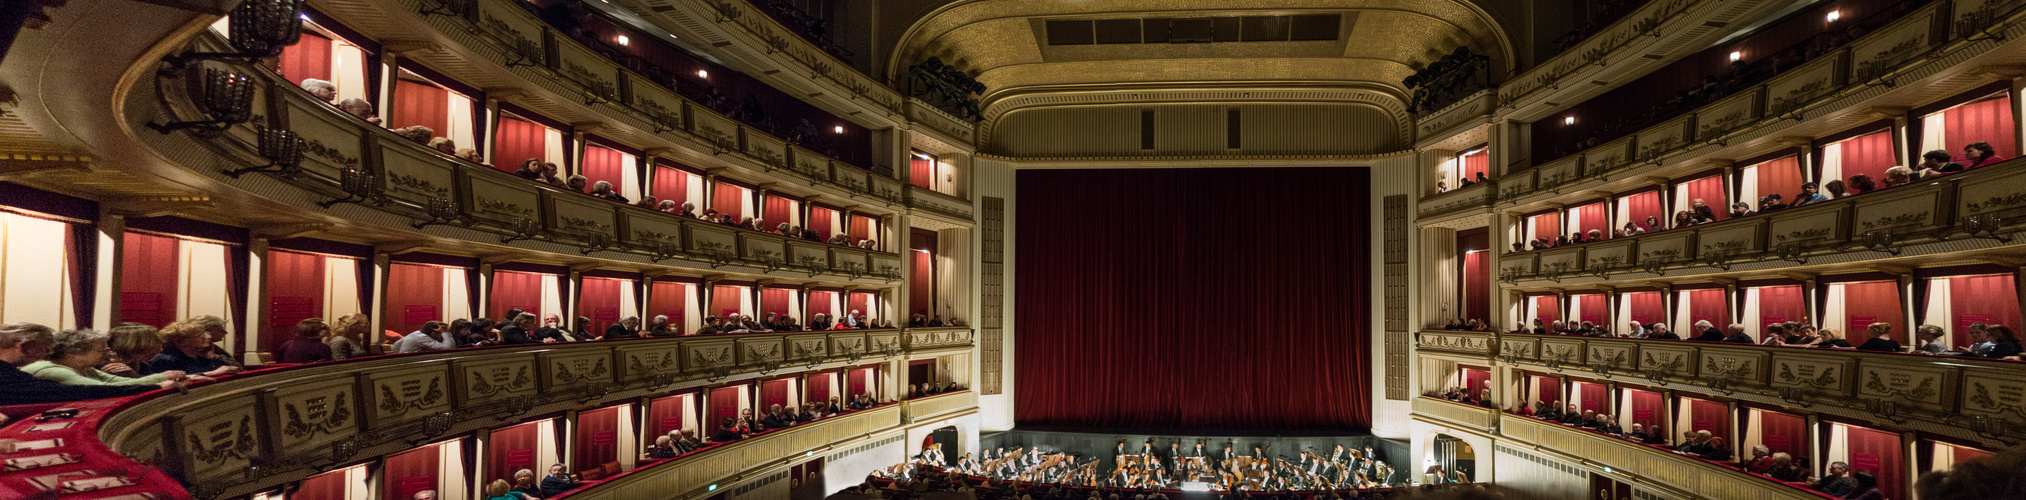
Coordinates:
[1150,467]
[44,365]
[1987,340]
[746,424]
[523,329]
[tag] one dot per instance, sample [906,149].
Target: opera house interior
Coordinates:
[1012,249]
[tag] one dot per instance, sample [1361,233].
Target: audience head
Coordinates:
[358,108]
[470,155]
[1703,324]
[524,477]
[1862,183]
[1976,152]
[1761,451]
[417,133]
[1838,468]
[443,144]
[1737,328]
[549,169]
[600,187]
[1865,481]
[688,207]
[187,337]
[134,342]
[78,348]
[498,488]
[1879,330]
[666,205]
[431,494]
[323,89]
[312,328]
[1828,335]
[1898,175]
[576,183]
[1808,187]
[1927,333]
[1995,476]
[2000,333]
[1835,187]
[1936,158]
[214,327]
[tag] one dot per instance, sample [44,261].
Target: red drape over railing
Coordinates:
[149,282]
[668,299]
[921,173]
[1879,453]
[1593,216]
[1873,302]
[597,437]
[724,403]
[512,449]
[1711,191]
[725,300]
[1708,416]
[819,303]
[778,210]
[672,184]
[774,392]
[729,200]
[861,228]
[414,296]
[1869,155]
[1706,305]
[517,141]
[325,486]
[1546,226]
[1990,300]
[295,292]
[420,103]
[511,289]
[1594,309]
[817,389]
[820,220]
[1475,163]
[1477,285]
[1281,283]
[599,300]
[1781,432]
[1645,307]
[665,415]
[1639,206]
[1596,397]
[310,57]
[1647,408]
[411,472]
[1781,176]
[774,301]
[1547,308]
[855,384]
[1781,303]
[922,282]
[1988,120]
[605,164]
[1549,390]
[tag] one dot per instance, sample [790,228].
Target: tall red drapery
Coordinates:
[1873,302]
[667,298]
[861,228]
[511,289]
[1711,191]
[421,103]
[724,403]
[725,300]
[1594,309]
[820,220]
[921,172]
[412,472]
[855,384]
[149,281]
[673,184]
[819,303]
[729,200]
[1639,206]
[1708,416]
[1989,120]
[774,301]
[665,415]
[310,57]
[1645,307]
[1646,408]
[1706,305]
[598,299]
[1477,285]
[921,286]
[597,437]
[774,392]
[605,164]
[414,296]
[1282,284]
[512,449]
[1781,176]
[860,302]
[778,210]
[817,389]
[1781,432]
[1549,390]
[1879,453]
[517,141]
[1546,226]
[1596,397]
[1989,299]
[295,292]
[1781,303]
[1547,308]
[1868,154]
[1962,453]
[1475,162]
[1592,217]
[326,486]
[1475,380]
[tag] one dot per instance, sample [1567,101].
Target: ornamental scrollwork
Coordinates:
[566,375]
[226,441]
[1996,203]
[505,207]
[416,183]
[318,148]
[339,414]
[1898,220]
[588,224]
[390,403]
[482,387]
[1921,391]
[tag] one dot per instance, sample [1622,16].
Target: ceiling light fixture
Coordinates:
[838,129]
[1736,55]
[1835,15]
[1568,120]
[622,40]
[703,73]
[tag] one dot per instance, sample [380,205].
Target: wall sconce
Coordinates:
[281,148]
[1568,120]
[623,41]
[1986,226]
[1882,240]
[224,97]
[359,187]
[703,73]
[838,129]
[259,28]
[1737,56]
[442,210]
[1835,15]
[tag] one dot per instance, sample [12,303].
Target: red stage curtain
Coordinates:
[1475,380]
[777,211]
[420,103]
[1781,303]
[1477,285]
[1988,120]
[512,449]
[412,472]
[1990,300]
[855,384]
[725,300]
[859,302]
[604,164]
[1711,191]
[1282,286]
[921,173]
[1645,307]
[672,184]
[819,221]
[774,392]
[817,389]
[1869,155]
[1548,308]
[1596,397]
[921,295]
[414,296]
[310,57]
[1642,205]
[1879,453]
[664,415]
[1549,390]
[1781,176]
[511,289]
[149,282]
[1647,408]
[729,200]
[598,299]
[1781,432]
[517,141]
[819,303]
[295,292]
[597,440]
[724,403]
[1707,305]
[666,299]
[774,300]
[1594,309]
[861,228]
[1709,416]
[325,486]
[1548,226]
[1594,216]
[1873,302]
[1475,163]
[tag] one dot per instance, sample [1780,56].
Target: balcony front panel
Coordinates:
[1472,417]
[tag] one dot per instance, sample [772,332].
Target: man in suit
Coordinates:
[712,325]
[1709,332]
[517,332]
[557,482]
[774,419]
[1737,335]
[628,328]
[1660,332]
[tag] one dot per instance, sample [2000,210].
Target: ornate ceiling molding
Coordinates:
[1238,92]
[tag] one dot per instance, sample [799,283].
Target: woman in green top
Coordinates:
[75,358]
[498,489]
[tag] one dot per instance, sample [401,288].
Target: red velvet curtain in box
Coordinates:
[921,173]
[512,449]
[724,403]
[598,299]
[819,303]
[1781,303]
[921,283]
[310,57]
[511,289]
[414,296]
[1873,302]
[605,164]
[861,228]
[1869,155]
[1595,310]
[1711,191]
[861,302]
[1548,225]
[517,141]
[1879,453]
[1990,300]
[1547,308]
[778,210]
[820,220]
[774,301]
[149,282]
[326,486]
[1477,285]
[1988,120]
[1592,216]
[774,392]
[1708,416]
[1281,285]
[1549,390]
[295,292]
[855,384]
[1781,432]
[1475,380]
[672,184]
[729,200]
[1965,454]
[667,299]
[420,103]
[1645,307]
[1707,305]
[665,415]
[1639,206]
[1596,397]
[1647,408]
[817,389]
[1781,176]
[725,300]
[412,472]
[597,437]
[1476,163]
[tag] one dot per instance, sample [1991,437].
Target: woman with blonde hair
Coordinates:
[1830,339]
[498,489]
[132,345]
[186,347]
[347,336]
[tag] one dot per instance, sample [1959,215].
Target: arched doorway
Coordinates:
[1449,460]
[944,441]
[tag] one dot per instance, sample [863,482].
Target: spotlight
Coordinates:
[1835,15]
[703,73]
[922,156]
[1736,55]
[622,40]
[838,129]
[1568,120]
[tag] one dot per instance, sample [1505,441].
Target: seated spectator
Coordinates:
[628,328]
[360,109]
[1995,476]
[529,169]
[688,210]
[1761,460]
[417,133]
[2004,342]
[324,90]
[868,245]
[1660,332]
[1716,450]
[525,485]
[1835,188]
[1928,338]
[1655,434]
[1811,193]
[1783,468]
[1867,488]
[187,348]
[1608,425]
[552,331]
[1631,229]
[712,325]
[666,206]
[781,228]
[1596,235]
[1708,332]
[840,239]
[660,327]
[470,155]
[1653,224]
[557,481]
[429,338]
[1896,177]
[1936,163]
[498,489]
[1770,203]
[685,441]
[1482,178]
[1701,213]
[576,183]
[25,343]
[1881,339]
[663,447]
[747,322]
[603,189]
[1547,411]
[710,214]
[1860,184]
[1638,433]
[1837,481]
[443,144]
[520,329]
[1683,219]
[308,345]
[1440,187]
[1561,241]
[549,176]
[1830,339]
[74,358]
[1980,154]
[1572,416]
[648,202]
[1741,209]
[727,431]
[1738,335]
[133,346]
[1776,334]
[1693,442]
[806,414]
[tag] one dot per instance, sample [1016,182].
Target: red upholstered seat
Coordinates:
[18,412]
[610,469]
[591,474]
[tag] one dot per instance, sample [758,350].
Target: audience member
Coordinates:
[1811,194]
[550,176]
[133,346]
[529,169]
[1770,203]
[1980,154]
[604,190]
[1830,339]
[628,328]
[1867,488]
[1860,184]
[428,338]
[1896,176]
[2004,342]
[1683,219]
[557,481]
[323,90]
[74,358]
[360,109]
[1881,339]
[498,489]
[25,343]
[443,144]
[347,338]
[576,183]
[1835,188]
[1701,213]
[1738,335]
[1653,224]
[525,485]
[417,133]
[1709,333]
[519,330]
[187,348]
[1740,209]
[471,155]
[1935,164]
[308,345]
[663,447]
[1993,477]
[1660,332]
[1928,338]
